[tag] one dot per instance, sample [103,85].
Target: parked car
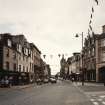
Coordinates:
[38,81]
[4,83]
[53,80]
[45,81]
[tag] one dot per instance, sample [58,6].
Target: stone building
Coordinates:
[74,65]
[89,58]
[18,58]
[100,57]
[93,58]
[62,69]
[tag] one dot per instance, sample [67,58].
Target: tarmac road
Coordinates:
[61,93]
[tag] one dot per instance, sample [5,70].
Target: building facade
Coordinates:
[19,59]
[91,61]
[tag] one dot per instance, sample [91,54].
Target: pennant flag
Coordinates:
[93,33]
[59,55]
[92,9]
[90,22]
[88,32]
[90,27]
[96,1]
[44,56]
[51,56]
[91,16]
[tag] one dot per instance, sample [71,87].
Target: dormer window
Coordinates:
[9,43]
[19,48]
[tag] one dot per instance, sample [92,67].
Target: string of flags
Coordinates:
[51,56]
[96,1]
[90,29]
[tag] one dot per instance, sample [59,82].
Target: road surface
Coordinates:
[61,93]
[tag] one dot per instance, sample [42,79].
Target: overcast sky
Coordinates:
[51,24]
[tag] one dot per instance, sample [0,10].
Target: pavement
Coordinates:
[23,86]
[94,91]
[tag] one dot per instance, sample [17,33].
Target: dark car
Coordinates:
[53,80]
[45,81]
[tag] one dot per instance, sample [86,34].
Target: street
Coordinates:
[62,93]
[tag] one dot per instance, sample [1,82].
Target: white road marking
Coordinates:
[103,102]
[95,103]
[102,96]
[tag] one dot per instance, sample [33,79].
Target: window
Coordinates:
[14,67]
[26,59]
[23,69]
[7,52]
[27,69]
[14,55]
[19,48]
[23,58]
[7,65]
[103,56]
[93,52]
[102,42]
[19,68]
[26,51]
[9,43]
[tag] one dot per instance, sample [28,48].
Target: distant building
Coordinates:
[64,68]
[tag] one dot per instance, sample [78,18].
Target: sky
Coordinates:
[52,24]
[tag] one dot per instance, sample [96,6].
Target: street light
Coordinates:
[77,35]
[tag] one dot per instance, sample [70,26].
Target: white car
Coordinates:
[53,80]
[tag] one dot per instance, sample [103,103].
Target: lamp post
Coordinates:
[77,35]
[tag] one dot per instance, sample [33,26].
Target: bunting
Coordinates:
[88,32]
[90,22]
[59,55]
[91,16]
[96,1]
[90,27]
[92,9]
[44,56]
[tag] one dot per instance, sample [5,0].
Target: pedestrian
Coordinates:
[72,79]
[11,81]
